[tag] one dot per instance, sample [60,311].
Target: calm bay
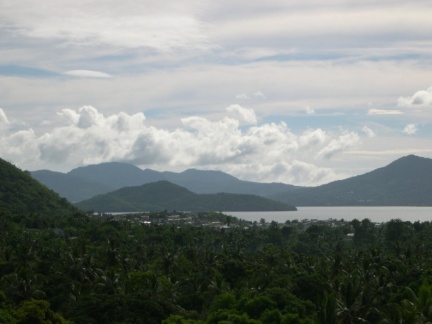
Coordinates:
[375,214]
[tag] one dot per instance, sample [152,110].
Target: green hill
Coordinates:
[20,193]
[163,195]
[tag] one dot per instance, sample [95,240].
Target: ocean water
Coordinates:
[375,214]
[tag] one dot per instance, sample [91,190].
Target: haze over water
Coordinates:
[375,214]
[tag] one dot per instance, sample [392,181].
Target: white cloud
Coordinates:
[267,152]
[369,132]
[422,98]
[313,138]
[174,91]
[259,95]
[88,74]
[410,129]
[3,117]
[246,114]
[309,110]
[374,111]
[242,96]
[338,145]
[326,24]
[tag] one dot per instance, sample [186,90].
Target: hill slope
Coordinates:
[73,188]
[163,195]
[404,182]
[20,193]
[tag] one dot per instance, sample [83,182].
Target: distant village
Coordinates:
[216,220]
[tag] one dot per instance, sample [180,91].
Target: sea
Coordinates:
[374,214]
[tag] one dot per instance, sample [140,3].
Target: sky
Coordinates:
[300,92]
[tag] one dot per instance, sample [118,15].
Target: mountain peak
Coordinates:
[412,162]
[404,182]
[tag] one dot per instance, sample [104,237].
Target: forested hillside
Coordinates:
[163,195]
[20,193]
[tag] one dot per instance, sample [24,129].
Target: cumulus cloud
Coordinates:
[267,152]
[410,129]
[313,138]
[88,74]
[246,114]
[337,145]
[375,111]
[369,132]
[422,98]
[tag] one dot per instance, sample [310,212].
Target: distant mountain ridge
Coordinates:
[163,195]
[73,188]
[86,182]
[404,182]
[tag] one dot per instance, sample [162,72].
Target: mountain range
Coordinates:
[406,181]
[86,182]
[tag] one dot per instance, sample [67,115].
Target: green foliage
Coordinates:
[89,269]
[38,311]
[20,193]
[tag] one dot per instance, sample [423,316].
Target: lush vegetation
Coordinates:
[162,195]
[99,270]
[19,192]
[58,265]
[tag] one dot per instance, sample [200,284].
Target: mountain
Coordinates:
[207,181]
[20,193]
[86,182]
[404,182]
[73,188]
[116,174]
[163,195]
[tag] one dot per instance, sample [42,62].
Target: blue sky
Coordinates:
[301,92]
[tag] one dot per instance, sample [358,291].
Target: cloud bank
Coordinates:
[266,152]
[147,24]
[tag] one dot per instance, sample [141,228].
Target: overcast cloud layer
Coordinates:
[302,92]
